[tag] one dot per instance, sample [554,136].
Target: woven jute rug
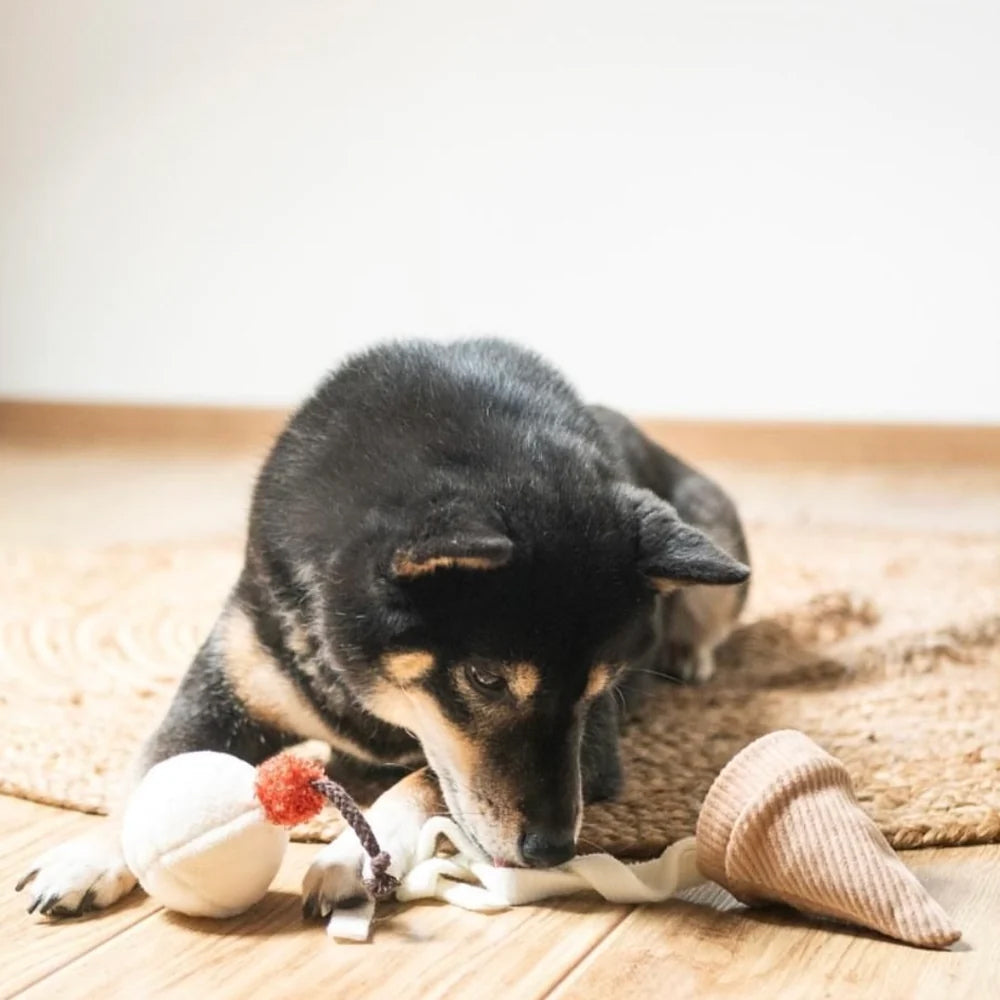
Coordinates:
[882,645]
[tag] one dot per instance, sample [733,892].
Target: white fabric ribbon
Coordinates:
[469,880]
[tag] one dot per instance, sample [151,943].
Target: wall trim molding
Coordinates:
[831,443]
[132,425]
[29,423]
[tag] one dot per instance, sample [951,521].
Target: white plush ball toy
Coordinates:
[197,838]
[205,832]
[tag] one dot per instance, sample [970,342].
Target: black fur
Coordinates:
[557,520]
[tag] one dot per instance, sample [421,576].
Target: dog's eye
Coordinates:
[485,681]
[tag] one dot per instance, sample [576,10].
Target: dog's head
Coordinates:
[488,634]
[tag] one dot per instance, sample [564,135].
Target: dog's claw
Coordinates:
[86,905]
[51,905]
[25,879]
[74,878]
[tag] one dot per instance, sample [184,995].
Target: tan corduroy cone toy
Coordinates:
[781,824]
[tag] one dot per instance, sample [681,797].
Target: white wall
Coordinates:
[702,208]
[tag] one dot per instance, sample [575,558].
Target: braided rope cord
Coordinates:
[381,882]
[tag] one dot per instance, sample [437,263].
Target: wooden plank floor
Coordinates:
[568,950]
[571,949]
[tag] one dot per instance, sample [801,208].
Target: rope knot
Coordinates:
[381,882]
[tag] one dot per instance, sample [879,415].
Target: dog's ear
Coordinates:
[671,553]
[465,544]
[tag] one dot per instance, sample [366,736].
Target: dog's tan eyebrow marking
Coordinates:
[598,680]
[522,679]
[410,667]
[404,565]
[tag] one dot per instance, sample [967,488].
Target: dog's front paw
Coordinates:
[333,879]
[691,664]
[88,873]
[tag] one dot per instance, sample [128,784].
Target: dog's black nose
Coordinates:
[542,848]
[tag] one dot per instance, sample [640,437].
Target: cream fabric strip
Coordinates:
[469,880]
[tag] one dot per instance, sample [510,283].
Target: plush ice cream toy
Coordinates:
[205,832]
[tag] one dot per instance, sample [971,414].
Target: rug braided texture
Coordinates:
[881,644]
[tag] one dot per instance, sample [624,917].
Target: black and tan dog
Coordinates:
[453,567]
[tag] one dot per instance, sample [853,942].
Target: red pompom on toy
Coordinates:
[287,789]
[291,789]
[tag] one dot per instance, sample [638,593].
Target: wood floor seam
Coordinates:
[84,953]
[567,973]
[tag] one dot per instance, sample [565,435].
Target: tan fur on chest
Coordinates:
[266,693]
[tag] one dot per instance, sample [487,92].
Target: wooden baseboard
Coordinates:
[109,425]
[80,425]
[837,444]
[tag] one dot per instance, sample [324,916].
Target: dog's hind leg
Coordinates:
[691,621]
